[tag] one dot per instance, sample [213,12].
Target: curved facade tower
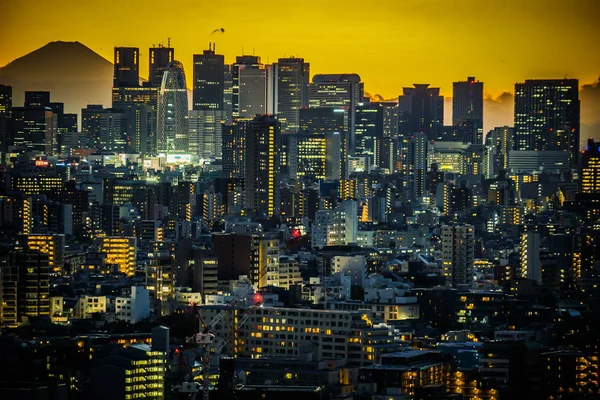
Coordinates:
[172,111]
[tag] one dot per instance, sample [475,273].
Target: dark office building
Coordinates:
[160,57]
[127,67]
[421,110]
[234,149]
[547,116]
[34,129]
[234,254]
[37,99]
[467,109]
[5,118]
[209,81]
[262,137]
[368,130]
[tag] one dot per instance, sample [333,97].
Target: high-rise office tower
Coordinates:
[35,125]
[127,67]
[413,158]
[140,104]
[547,116]
[314,155]
[90,122]
[390,119]
[112,133]
[467,108]
[291,83]
[160,58]
[458,252]
[368,130]
[249,97]
[205,137]
[228,92]
[328,121]
[234,149]
[339,91]
[501,140]
[421,110]
[5,119]
[209,81]
[173,111]
[261,164]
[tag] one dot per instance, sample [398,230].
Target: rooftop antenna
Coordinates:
[253,52]
[169,42]
[242,50]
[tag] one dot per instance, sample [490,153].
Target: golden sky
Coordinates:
[390,43]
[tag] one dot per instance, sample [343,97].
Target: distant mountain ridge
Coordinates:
[73,73]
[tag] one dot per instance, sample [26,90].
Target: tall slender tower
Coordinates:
[467,108]
[173,111]
[261,163]
[5,119]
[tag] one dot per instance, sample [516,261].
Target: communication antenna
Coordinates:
[168,42]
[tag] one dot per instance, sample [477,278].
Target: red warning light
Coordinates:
[296,233]
[258,299]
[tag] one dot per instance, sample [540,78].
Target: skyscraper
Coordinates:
[467,108]
[261,163]
[209,81]
[547,116]
[292,76]
[127,67]
[421,110]
[413,156]
[368,130]
[160,57]
[205,127]
[234,149]
[5,119]
[90,122]
[34,126]
[339,91]
[458,252]
[173,111]
[328,121]
[249,87]
[140,104]
[501,140]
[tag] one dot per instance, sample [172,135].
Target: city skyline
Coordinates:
[415,28]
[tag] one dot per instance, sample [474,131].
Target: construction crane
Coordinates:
[211,347]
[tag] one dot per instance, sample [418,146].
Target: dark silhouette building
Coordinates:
[209,78]
[421,110]
[127,67]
